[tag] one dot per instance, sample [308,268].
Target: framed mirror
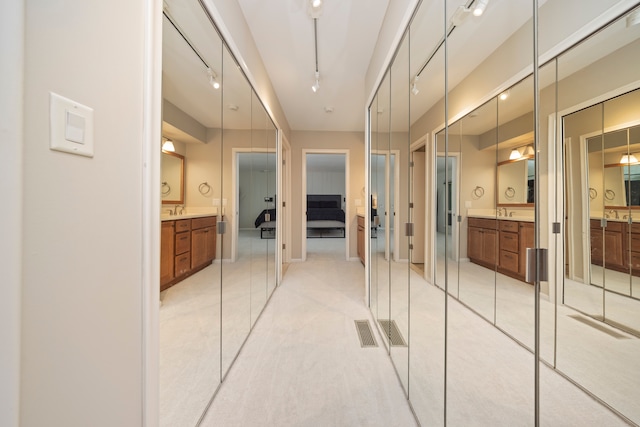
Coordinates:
[516,182]
[172,178]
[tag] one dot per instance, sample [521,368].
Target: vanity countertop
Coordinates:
[167,217]
[504,218]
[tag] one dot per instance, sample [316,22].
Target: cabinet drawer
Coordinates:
[635,243]
[360,221]
[614,226]
[183,243]
[509,226]
[509,241]
[183,264]
[483,223]
[509,260]
[183,225]
[207,221]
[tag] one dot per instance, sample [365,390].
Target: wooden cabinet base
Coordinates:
[191,272]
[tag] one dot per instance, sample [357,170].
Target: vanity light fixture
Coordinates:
[213,78]
[515,154]
[528,151]
[167,145]
[628,159]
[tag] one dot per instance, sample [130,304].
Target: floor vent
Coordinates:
[598,325]
[390,329]
[365,334]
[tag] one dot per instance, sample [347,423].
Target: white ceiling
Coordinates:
[347,34]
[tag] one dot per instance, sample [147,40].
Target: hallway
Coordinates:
[303,365]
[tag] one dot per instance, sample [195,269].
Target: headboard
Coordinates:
[324,201]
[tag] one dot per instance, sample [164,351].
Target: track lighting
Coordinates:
[462,12]
[414,86]
[168,146]
[480,6]
[213,79]
[315,8]
[316,85]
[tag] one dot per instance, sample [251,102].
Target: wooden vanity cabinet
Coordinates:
[186,246]
[361,250]
[482,242]
[167,253]
[500,244]
[509,247]
[203,241]
[608,249]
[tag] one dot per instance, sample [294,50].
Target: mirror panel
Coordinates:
[427,301]
[236,275]
[380,199]
[478,230]
[515,299]
[189,315]
[599,307]
[399,185]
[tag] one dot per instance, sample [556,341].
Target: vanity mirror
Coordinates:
[516,182]
[172,178]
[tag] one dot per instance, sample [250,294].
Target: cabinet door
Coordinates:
[596,246]
[490,246]
[361,243]
[474,243]
[210,243]
[166,252]
[526,241]
[198,247]
[613,244]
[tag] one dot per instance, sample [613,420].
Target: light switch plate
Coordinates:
[71,126]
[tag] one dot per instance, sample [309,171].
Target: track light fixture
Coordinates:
[479,7]
[414,86]
[462,12]
[315,8]
[213,79]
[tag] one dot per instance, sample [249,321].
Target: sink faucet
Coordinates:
[175,210]
[613,211]
[500,211]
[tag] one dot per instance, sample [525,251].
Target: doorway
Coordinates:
[325,230]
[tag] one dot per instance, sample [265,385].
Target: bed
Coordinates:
[325,215]
[266,222]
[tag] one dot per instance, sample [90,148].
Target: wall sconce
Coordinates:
[167,145]
[628,159]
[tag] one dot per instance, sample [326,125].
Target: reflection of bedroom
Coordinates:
[326,192]
[256,195]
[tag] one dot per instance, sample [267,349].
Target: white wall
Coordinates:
[11,116]
[83,266]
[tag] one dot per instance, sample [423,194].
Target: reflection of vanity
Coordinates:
[187,246]
[361,249]
[500,243]
[620,252]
